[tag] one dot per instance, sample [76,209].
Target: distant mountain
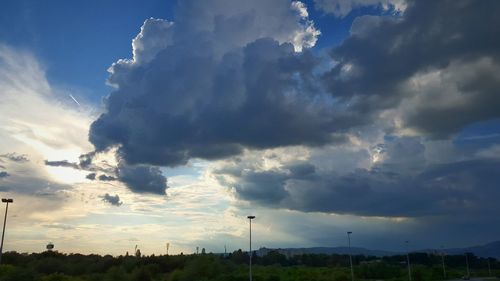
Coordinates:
[289,252]
[488,250]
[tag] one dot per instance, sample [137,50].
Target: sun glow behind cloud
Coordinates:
[38,122]
[66,175]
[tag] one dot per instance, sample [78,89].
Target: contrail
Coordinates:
[73,98]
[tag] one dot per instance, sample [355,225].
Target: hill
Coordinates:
[488,250]
[289,252]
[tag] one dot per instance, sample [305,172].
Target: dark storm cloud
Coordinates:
[243,104]
[142,178]
[19,158]
[190,96]
[62,163]
[262,187]
[199,98]
[196,91]
[452,189]
[113,200]
[106,178]
[476,87]
[3,174]
[138,178]
[383,53]
[85,160]
[85,163]
[402,184]
[267,187]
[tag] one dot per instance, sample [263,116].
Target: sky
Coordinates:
[127,123]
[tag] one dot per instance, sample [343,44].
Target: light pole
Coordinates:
[442,261]
[7,201]
[489,267]
[250,218]
[350,253]
[408,260]
[467,264]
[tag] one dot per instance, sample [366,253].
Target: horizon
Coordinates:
[125,123]
[389,253]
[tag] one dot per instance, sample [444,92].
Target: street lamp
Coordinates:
[467,264]
[250,218]
[408,261]
[489,267]
[350,253]
[442,261]
[7,201]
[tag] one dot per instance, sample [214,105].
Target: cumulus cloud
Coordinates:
[224,77]
[234,80]
[462,93]
[401,183]
[19,158]
[62,163]
[155,35]
[211,85]
[85,162]
[91,176]
[342,8]
[439,62]
[434,191]
[138,178]
[232,24]
[113,200]
[106,178]
[142,178]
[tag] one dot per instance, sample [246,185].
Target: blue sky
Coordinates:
[78,40]
[320,117]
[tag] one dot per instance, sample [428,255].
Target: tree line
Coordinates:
[274,266]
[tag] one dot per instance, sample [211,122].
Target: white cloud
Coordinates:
[155,35]
[237,23]
[342,8]
[35,120]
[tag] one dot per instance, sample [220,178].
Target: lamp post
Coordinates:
[250,218]
[7,201]
[442,261]
[408,260]
[350,253]
[467,264]
[489,267]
